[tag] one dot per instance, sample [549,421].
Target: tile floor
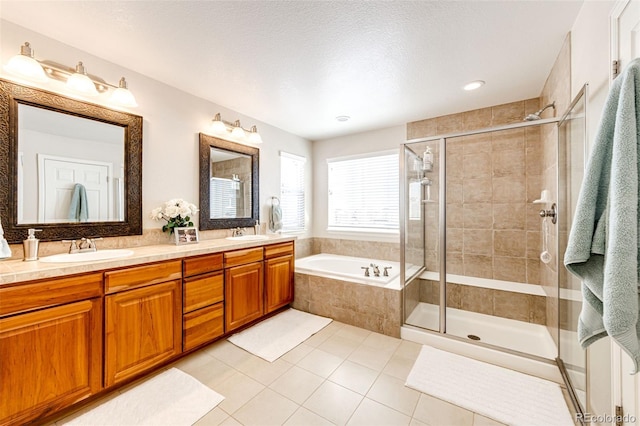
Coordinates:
[341,375]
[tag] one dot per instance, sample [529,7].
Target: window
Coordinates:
[292,191]
[363,192]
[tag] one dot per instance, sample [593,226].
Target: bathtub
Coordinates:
[350,269]
[335,286]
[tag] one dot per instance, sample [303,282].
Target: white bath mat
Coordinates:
[170,398]
[277,335]
[504,395]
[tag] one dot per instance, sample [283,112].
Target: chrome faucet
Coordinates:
[238,232]
[376,270]
[85,245]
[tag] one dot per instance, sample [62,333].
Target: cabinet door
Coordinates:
[49,359]
[143,329]
[278,282]
[243,295]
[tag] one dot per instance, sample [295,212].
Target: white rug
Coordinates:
[170,398]
[504,395]
[277,335]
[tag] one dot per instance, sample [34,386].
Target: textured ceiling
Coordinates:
[299,64]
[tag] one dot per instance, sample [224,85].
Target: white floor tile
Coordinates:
[297,353]
[213,418]
[392,392]
[381,341]
[297,384]
[373,358]
[371,413]
[339,346]
[237,391]
[333,402]
[433,411]
[263,371]
[320,362]
[304,417]
[354,376]
[398,367]
[267,408]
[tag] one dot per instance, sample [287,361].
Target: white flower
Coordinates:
[173,208]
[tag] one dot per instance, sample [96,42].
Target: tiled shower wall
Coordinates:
[492,227]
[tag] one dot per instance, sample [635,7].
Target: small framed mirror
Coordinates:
[229,187]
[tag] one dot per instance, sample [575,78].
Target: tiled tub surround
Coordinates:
[354,301]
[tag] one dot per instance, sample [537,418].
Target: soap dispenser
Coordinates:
[427,160]
[30,245]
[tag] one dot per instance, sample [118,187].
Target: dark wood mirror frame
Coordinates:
[206,143]
[12,94]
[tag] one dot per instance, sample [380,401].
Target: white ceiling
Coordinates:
[298,64]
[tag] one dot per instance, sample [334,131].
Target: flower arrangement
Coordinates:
[176,212]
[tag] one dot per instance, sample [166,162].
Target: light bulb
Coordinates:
[81,83]
[217,126]
[238,131]
[254,136]
[25,65]
[123,96]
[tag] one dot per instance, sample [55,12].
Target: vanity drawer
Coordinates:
[202,264]
[50,292]
[242,257]
[276,250]
[202,326]
[142,275]
[203,291]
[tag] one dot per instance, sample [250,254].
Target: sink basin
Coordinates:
[248,238]
[87,256]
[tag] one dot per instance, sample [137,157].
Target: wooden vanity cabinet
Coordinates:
[203,300]
[50,346]
[278,276]
[244,287]
[143,319]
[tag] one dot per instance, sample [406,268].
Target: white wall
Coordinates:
[590,63]
[172,121]
[360,143]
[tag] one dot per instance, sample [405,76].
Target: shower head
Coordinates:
[536,115]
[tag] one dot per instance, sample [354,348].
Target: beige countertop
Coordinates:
[12,271]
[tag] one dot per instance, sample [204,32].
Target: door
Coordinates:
[279,282]
[243,295]
[143,329]
[625,46]
[57,178]
[49,359]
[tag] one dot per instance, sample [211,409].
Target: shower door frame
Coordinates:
[442,229]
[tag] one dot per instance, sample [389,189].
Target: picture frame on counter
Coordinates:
[186,235]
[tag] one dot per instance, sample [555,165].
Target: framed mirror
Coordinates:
[229,187]
[70,168]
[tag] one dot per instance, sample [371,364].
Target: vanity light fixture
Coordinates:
[76,79]
[25,65]
[235,131]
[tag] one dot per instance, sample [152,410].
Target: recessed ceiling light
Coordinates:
[343,118]
[473,85]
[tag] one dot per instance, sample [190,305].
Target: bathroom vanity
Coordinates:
[75,330]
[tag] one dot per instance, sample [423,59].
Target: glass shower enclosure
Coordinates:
[486,215]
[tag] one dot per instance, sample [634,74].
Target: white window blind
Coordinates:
[292,191]
[363,192]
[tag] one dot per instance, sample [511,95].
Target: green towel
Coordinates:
[603,243]
[78,209]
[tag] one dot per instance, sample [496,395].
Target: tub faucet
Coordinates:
[386,271]
[366,270]
[376,270]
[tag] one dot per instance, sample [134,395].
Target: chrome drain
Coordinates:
[473,337]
